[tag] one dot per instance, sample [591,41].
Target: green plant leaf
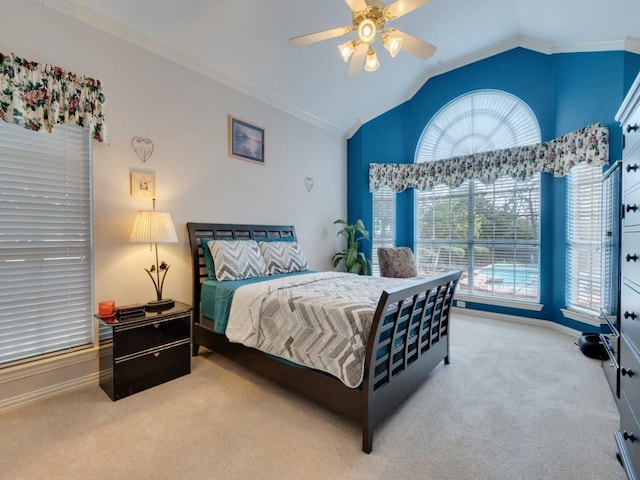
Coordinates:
[354,260]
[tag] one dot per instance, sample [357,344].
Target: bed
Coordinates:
[408,336]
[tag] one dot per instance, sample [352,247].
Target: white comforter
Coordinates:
[320,320]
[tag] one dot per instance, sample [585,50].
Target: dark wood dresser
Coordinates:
[628,437]
[140,352]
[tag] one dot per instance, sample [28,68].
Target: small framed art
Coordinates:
[143,185]
[246,141]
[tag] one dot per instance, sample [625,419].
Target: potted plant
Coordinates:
[354,260]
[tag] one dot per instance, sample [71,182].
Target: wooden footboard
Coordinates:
[409,337]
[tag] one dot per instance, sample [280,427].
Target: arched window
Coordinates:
[489,231]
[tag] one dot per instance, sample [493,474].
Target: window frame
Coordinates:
[583,239]
[438,142]
[47,247]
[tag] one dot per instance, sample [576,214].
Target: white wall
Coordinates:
[185,114]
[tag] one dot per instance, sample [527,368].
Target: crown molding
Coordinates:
[91,17]
[629,44]
[102,22]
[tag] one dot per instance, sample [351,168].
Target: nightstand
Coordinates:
[141,352]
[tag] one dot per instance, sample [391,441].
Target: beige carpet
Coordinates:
[516,402]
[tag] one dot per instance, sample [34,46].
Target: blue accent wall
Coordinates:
[565,91]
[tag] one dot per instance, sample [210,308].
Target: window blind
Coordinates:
[478,122]
[583,232]
[384,224]
[610,238]
[45,241]
[489,230]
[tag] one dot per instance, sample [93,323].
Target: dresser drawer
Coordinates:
[628,437]
[131,339]
[631,207]
[631,134]
[139,373]
[630,254]
[630,311]
[629,371]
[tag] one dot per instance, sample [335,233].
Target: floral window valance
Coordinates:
[589,145]
[38,96]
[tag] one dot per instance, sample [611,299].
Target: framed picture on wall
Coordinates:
[143,185]
[246,141]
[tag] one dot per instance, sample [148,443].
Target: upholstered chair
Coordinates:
[397,262]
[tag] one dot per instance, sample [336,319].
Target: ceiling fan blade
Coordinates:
[357,5]
[319,36]
[417,47]
[402,7]
[357,60]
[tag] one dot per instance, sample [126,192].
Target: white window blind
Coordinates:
[609,238]
[480,121]
[491,232]
[384,224]
[45,241]
[583,232]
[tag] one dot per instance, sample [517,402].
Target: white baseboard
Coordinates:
[31,382]
[48,392]
[517,319]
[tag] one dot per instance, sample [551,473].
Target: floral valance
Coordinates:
[589,145]
[38,96]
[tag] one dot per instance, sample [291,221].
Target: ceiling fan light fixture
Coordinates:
[347,49]
[372,63]
[392,43]
[367,30]
[369,18]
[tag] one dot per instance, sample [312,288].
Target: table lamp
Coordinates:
[154,227]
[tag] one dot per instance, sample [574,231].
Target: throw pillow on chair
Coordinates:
[396,262]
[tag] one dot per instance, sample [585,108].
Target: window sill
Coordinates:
[499,302]
[579,316]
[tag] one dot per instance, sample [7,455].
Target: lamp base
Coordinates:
[159,305]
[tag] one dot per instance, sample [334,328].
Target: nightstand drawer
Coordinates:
[131,339]
[144,371]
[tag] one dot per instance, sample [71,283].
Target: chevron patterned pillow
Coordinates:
[237,259]
[283,257]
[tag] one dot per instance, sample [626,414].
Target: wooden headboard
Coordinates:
[227,231]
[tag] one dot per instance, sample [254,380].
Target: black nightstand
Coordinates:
[141,352]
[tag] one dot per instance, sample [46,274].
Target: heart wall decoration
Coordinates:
[308,183]
[143,147]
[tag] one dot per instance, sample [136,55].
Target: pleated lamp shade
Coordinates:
[153,227]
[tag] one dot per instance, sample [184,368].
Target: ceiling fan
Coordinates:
[370,19]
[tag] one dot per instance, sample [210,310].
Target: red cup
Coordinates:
[106,308]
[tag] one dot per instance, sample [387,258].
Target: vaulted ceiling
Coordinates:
[244,44]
